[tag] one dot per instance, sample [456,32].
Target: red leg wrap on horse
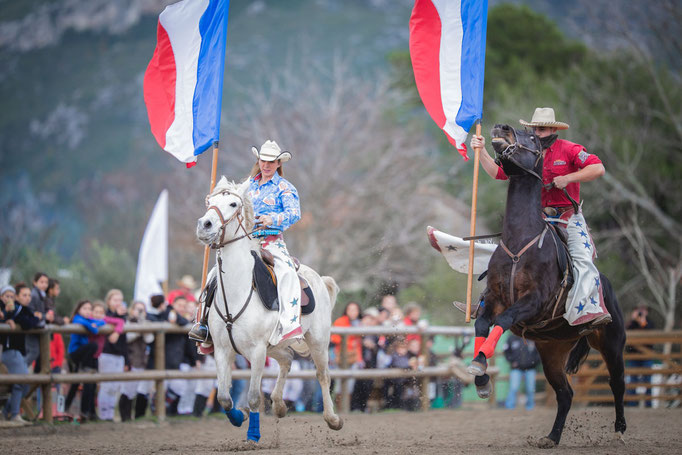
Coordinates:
[478,342]
[488,348]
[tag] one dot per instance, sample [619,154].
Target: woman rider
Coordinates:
[276,207]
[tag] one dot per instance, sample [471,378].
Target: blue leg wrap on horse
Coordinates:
[254,427]
[235,416]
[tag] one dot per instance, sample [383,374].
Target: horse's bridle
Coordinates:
[511,149]
[508,154]
[237,214]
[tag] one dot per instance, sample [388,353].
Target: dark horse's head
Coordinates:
[517,151]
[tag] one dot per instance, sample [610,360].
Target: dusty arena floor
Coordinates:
[588,430]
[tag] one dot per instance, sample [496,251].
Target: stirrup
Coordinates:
[475,306]
[199,332]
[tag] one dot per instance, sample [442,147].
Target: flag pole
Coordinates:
[207,249]
[472,231]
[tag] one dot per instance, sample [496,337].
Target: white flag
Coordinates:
[152,262]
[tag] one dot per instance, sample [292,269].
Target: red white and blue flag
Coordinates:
[183,83]
[447,48]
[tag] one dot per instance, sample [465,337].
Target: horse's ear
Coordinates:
[222,182]
[244,186]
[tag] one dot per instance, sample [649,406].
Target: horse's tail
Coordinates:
[577,356]
[332,288]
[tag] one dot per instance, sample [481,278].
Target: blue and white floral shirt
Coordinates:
[278,199]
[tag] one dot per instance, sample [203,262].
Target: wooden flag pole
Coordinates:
[472,231]
[207,249]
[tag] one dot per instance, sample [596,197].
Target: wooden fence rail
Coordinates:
[588,382]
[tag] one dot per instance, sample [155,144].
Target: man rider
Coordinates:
[566,165]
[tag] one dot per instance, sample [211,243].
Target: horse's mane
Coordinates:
[242,190]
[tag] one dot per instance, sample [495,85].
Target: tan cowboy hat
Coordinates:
[187,282]
[544,116]
[270,151]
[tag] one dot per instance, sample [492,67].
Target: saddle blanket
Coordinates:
[456,251]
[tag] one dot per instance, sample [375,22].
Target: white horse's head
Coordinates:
[228,206]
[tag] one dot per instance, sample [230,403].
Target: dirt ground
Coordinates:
[465,431]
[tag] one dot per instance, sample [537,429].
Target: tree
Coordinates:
[631,105]
[365,177]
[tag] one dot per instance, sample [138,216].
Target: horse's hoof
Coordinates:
[236,417]
[484,391]
[618,438]
[542,443]
[280,409]
[335,424]
[476,368]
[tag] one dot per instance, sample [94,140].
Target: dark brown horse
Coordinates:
[526,304]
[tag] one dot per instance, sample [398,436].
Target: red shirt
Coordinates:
[353,342]
[56,351]
[561,158]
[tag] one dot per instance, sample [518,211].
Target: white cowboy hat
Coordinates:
[270,151]
[544,116]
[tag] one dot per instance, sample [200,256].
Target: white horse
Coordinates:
[226,222]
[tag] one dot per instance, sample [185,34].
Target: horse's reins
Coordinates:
[227,318]
[517,257]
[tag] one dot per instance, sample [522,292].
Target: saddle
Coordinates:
[265,283]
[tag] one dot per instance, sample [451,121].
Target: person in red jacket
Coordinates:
[351,318]
[565,165]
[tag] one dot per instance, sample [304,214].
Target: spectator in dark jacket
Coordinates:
[370,350]
[37,307]
[13,346]
[138,353]
[523,358]
[639,320]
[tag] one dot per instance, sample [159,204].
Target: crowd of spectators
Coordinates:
[116,352]
[32,306]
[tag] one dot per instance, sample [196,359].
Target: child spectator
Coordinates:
[394,388]
[413,312]
[137,355]
[370,350]
[51,294]
[13,346]
[114,357]
[82,358]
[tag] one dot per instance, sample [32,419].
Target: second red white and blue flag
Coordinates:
[447,48]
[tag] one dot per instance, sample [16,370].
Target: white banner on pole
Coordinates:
[152,262]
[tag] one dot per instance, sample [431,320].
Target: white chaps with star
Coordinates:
[289,291]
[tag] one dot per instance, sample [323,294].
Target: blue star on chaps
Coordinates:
[294,302]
